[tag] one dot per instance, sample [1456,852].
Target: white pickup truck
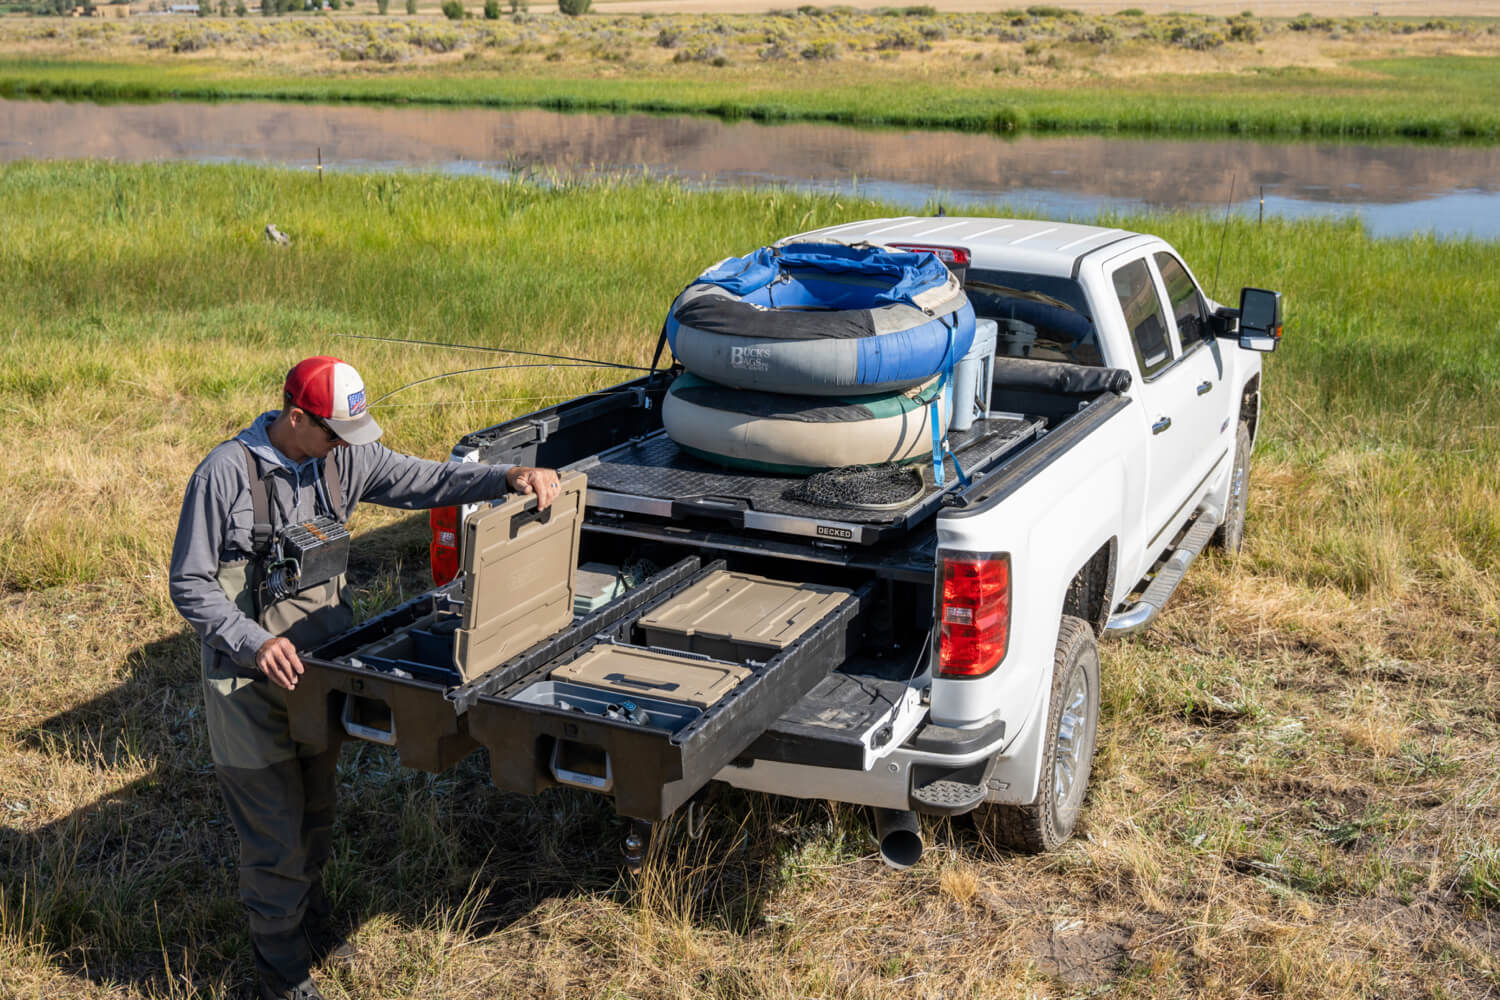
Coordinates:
[962,672]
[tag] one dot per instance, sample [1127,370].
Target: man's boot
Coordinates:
[324,941]
[282,966]
[305,990]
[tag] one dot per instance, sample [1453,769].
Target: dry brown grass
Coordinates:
[625,48]
[1219,8]
[1287,787]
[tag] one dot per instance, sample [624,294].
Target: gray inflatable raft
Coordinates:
[772,432]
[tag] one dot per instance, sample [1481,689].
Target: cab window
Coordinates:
[1144,315]
[1187,302]
[1055,307]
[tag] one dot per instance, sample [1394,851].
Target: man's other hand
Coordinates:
[278,660]
[542,482]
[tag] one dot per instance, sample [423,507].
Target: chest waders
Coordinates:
[279,794]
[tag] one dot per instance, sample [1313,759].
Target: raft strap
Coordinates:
[940,446]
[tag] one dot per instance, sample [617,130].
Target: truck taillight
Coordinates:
[974,615]
[444,547]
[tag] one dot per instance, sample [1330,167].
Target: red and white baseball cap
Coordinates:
[329,389]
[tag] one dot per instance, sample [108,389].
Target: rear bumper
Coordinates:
[894,780]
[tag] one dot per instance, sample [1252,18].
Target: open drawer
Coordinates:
[388,680]
[398,701]
[637,714]
[418,706]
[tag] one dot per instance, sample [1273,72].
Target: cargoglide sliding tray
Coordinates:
[652,476]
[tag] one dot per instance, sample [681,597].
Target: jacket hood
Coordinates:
[257,438]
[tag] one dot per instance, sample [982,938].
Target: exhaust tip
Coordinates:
[900,836]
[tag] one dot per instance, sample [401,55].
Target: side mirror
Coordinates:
[1260,319]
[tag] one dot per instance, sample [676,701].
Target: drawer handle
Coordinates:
[529,515]
[640,682]
[362,732]
[581,779]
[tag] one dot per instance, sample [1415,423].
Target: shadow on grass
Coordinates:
[138,887]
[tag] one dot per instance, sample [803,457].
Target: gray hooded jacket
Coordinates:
[215,525]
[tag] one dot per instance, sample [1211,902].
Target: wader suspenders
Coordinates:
[260,531]
[335,488]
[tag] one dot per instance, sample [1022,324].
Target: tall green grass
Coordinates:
[146,317]
[1396,106]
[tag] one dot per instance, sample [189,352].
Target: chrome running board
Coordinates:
[1143,612]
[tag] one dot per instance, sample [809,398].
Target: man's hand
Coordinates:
[542,482]
[278,660]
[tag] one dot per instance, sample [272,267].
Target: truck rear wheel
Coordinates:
[1231,534]
[1072,728]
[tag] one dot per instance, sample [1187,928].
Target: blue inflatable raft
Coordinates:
[822,319]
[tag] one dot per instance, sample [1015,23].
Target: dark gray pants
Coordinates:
[280,797]
[283,814]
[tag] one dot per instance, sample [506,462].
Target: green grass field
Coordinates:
[1187,74]
[1297,782]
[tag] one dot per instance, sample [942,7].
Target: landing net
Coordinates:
[865,487]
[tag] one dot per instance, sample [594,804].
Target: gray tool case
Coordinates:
[644,699]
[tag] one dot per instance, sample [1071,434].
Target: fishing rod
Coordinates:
[489,368]
[515,399]
[581,362]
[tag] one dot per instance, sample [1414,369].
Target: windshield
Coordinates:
[1056,307]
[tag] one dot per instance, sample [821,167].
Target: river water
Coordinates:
[1395,189]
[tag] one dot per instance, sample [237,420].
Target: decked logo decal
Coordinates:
[828,531]
[754,359]
[356,403]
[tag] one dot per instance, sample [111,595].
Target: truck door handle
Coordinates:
[1204,388]
[1161,425]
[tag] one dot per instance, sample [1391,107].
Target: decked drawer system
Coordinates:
[644,699]
[652,477]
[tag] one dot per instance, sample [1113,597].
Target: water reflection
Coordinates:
[1454,191]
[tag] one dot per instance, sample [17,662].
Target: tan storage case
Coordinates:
[519,565]
[645,673]
[737,616]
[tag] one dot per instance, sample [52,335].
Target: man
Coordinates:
[317,456]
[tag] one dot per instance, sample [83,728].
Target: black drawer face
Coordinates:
[649,751]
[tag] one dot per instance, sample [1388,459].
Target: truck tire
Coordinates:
[1072,727]
[1231,534]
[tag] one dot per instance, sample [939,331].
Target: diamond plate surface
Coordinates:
[949,794]
[656,468]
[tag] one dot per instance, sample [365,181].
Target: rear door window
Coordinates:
[1144,315]
[1187,302]
[1056,308]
